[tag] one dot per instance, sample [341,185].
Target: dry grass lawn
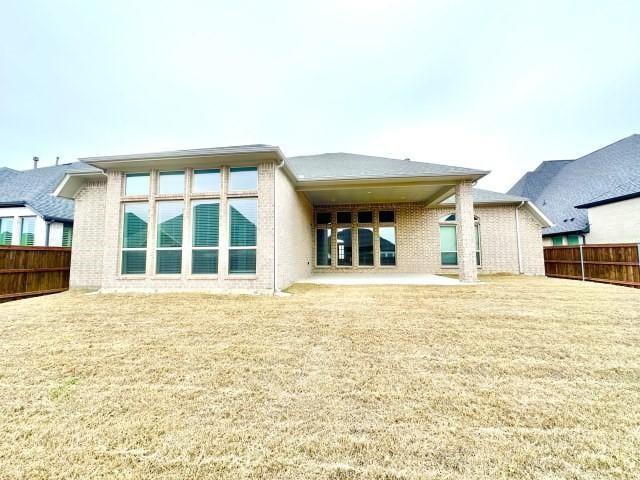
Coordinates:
[514,378]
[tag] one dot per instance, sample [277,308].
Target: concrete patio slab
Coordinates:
[380,279]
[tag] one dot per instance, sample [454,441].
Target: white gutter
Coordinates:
[518,244]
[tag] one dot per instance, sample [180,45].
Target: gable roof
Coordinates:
[559,188]
[34,188]
[347,166]
[623,191]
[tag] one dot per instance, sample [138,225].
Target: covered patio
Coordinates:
[382,278]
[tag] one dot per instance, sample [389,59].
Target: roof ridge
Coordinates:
[609,145]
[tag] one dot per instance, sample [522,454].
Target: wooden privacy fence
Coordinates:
[31,271]
[617,263]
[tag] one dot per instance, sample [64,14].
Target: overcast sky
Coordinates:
[493,85]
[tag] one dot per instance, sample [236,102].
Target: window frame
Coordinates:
[124,249]
[230,248]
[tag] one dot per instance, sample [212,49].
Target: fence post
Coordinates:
[582,262]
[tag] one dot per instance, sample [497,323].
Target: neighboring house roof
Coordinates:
[343,166]
[560,187]
[624,191]
[33,188]
[533,183]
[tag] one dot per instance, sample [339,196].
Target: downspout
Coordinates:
[518,244]
[275,230]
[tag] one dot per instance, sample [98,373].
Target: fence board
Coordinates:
[615,263]
[32,271]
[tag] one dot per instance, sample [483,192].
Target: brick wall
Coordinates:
[105,249]
[418,240]
[294,217]
[88,236]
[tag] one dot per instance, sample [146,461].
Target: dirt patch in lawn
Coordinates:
[514,378]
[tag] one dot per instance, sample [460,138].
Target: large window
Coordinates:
[169,239]
[171,183]
[136,184]
[449,241]
[243,219]
[206,181]
[344,247]
[134,238]
[6,230]
[557,240]
[243,179]
[205,221]
[27,231]
[323,239]
[573,240]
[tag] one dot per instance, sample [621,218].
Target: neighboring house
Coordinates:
[568,192]
[29,213]
[614,216]
[248,218]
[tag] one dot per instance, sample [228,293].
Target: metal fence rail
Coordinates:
[32,271]
[616,263]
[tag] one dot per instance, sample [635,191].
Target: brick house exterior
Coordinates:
[409,202]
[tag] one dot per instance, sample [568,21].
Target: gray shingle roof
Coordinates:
[342,166]
[33,188]
[629,189]
[532,183]
[576,182]
[487,196]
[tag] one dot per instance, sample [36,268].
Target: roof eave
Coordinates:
[304,184]
[73,181]
[605,201]
[539,214]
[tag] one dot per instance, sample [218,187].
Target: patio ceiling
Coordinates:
[428,193]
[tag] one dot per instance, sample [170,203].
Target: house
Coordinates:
[249,218]
[614,215]
[29,213]
[589,199]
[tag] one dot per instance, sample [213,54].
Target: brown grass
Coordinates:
[515,378]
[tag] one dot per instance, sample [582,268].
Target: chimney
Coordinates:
[57,161]
[35,162]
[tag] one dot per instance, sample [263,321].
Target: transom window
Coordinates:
[449,240]
[243,179]
[136,184]
[171,183]
[206,181]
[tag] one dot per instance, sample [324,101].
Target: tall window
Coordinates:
[365,239]
[134,238]
[573,240]
[6,230]
[27,231]
[243,179]
[323,239]
[449,241]
[205,221]
[171,183]
[344,239]
[67,234]
[169,240]
[206,181]
[243,220]
[387,234]
[557,240]
[136,184]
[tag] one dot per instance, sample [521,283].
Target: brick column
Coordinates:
[468,270]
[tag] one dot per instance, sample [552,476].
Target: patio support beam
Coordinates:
[467,268]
